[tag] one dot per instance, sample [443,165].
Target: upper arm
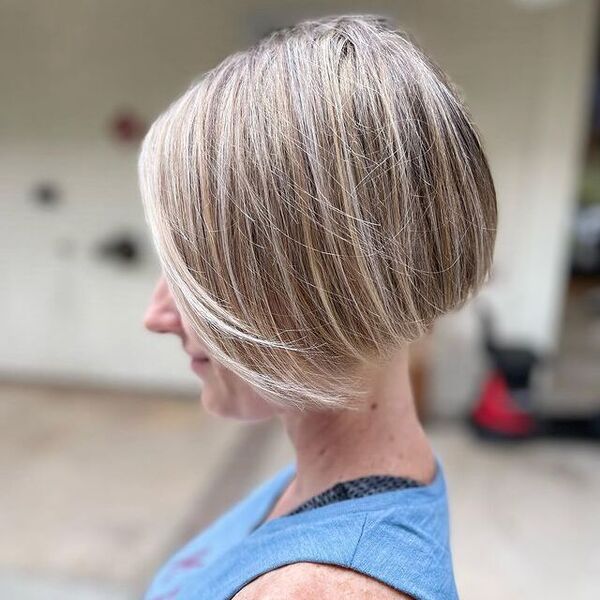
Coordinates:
[316,581]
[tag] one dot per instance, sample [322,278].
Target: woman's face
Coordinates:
[223,392]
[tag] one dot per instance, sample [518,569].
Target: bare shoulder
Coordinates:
[310,581]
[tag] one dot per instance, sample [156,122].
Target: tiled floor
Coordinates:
[97,488]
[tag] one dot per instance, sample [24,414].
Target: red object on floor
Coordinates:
[497,411]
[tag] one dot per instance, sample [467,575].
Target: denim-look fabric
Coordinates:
[399,537]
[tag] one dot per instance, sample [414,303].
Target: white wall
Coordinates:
[526,75]
[65,67]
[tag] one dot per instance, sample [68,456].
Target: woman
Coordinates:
[316,202]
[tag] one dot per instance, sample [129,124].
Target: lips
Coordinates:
[200,365]
[196,357]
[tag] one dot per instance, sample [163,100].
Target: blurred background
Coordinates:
[107,462]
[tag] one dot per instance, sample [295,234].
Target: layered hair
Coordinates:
[316,202]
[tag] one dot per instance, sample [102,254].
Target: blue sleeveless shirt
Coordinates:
[400,538]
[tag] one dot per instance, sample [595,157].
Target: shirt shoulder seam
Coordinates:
[362,530]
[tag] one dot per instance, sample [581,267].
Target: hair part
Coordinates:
[316,202]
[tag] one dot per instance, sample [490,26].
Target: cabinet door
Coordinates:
[77,272]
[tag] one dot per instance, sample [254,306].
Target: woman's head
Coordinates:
[316,202]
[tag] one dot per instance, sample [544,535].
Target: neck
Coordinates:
[383,437]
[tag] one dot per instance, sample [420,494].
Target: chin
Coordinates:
[239,409]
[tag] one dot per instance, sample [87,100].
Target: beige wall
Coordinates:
[65,67]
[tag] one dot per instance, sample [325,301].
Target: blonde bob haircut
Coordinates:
[316,202]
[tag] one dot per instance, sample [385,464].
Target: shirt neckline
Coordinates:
[357,487]
[424,492]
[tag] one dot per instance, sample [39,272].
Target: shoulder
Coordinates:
[315,581]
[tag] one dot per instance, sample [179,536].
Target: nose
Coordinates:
[162,315]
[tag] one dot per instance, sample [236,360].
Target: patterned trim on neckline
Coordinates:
[356,488]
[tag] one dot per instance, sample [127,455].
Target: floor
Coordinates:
[97,488]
